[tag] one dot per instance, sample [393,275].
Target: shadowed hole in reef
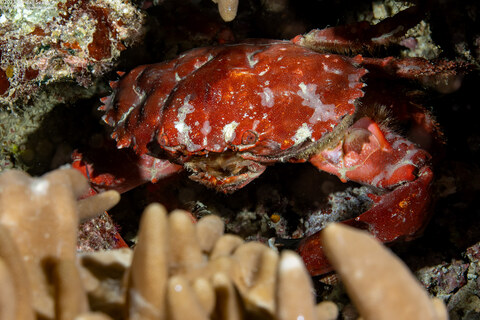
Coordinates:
[64,128]
[283,202]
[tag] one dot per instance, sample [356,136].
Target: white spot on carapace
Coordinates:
[198,64]
[182,128]
[303,133]
[139,99]
[251,60]
[267,97]
[264,71]
[125,114]
[322,112]
[326,68]
[229,131]
[255,124]
[177,77]
[206,128]
[353,79]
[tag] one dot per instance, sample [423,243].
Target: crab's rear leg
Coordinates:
[361,36]
[376,156]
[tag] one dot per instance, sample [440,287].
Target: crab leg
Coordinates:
[372,155]
[361,36]
[121,169]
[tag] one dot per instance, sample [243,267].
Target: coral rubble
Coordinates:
[46,41]
[178,269]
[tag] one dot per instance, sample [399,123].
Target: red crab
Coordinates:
[225,113]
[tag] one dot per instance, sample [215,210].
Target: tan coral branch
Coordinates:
[374,276]
[227,9]
[179,269]
[38,222]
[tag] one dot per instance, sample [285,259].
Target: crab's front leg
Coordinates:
[376,156]
[120,169]
[112,169]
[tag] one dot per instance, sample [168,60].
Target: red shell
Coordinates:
[270,95]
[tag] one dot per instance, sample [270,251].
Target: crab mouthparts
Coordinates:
[225,172]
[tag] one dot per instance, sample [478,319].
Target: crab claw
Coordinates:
[375,156]
[372,156]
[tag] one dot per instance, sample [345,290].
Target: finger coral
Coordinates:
[183,259]
[45,41]
[374,277]
[38,229]
[227,9]
[179,269]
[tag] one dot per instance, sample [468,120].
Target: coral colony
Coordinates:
[178,269]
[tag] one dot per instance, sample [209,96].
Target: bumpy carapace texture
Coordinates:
[266,100]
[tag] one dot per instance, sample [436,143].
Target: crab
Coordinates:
[226,113]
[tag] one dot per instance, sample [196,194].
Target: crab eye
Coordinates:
[249,137]
[163,140]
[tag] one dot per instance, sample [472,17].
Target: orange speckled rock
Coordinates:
[77,39]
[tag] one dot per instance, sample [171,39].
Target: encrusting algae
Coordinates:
[178,269]
[57,40]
